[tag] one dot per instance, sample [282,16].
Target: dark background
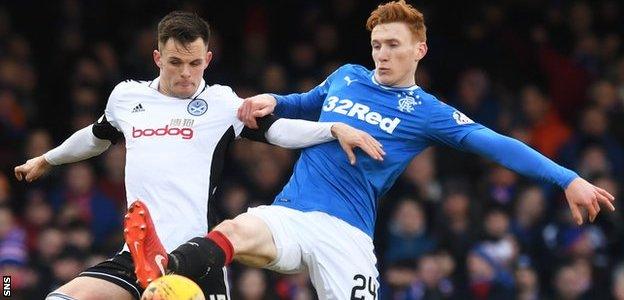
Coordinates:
[550,73]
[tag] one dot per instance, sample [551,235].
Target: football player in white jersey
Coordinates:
[177,129]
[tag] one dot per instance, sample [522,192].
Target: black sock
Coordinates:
[196,258]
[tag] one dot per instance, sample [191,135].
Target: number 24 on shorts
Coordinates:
[361,286]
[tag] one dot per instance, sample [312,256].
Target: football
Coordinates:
[173,287]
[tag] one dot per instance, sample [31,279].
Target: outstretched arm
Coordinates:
[291,134]
[79,146]
[305,106]
[84,143]
[519,157]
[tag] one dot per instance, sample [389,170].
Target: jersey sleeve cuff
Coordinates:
[279,104]
[49,159]
[567,177]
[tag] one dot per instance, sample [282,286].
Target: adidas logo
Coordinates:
[138,108]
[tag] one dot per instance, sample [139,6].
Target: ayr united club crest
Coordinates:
[197,107]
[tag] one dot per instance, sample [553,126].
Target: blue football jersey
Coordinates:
[405,120]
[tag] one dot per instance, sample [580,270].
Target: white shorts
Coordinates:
[339,257]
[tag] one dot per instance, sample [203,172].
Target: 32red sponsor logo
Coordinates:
[186,133]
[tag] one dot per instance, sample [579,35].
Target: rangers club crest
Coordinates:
[407,103]
[197,107]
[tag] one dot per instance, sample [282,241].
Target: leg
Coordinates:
[246,237]
[110,279]
[262,237]
[340,258]
[251,240]
[89,288]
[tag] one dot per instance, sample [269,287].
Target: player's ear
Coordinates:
[421,50]
[157,56]
[208,58]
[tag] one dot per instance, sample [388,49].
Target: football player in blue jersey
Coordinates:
[323,220]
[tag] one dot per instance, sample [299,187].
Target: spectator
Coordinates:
[573,281]
[401,282]
[296,286]
[37,216]
[617,286]
[502,185]
[474,98]
[456,229]
[528,219]
[527,281]
[593,136]
[488,277]
[112,182]
[605,96]
[420,177]
[13,250]
[409,238]
[252,285]
[80,200]
[434,282]
[235,201]
[547,132]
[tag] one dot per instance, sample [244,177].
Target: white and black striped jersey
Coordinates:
[175,151]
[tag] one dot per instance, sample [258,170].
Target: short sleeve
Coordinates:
[113,105]
[232,103]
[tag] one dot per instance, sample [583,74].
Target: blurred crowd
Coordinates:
[549,73]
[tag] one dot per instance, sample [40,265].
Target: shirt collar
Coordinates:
[386,87]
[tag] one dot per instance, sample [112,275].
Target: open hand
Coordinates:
[349,138]
[584,195]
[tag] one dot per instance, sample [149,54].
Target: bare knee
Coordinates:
[229,228]
[237,233]
[250,237]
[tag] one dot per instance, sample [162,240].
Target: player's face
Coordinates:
[181,68]
[396,53]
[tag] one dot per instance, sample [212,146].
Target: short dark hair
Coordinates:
[183,27]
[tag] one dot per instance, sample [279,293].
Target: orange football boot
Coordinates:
[149,255]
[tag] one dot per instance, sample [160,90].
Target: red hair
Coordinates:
[399,11]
